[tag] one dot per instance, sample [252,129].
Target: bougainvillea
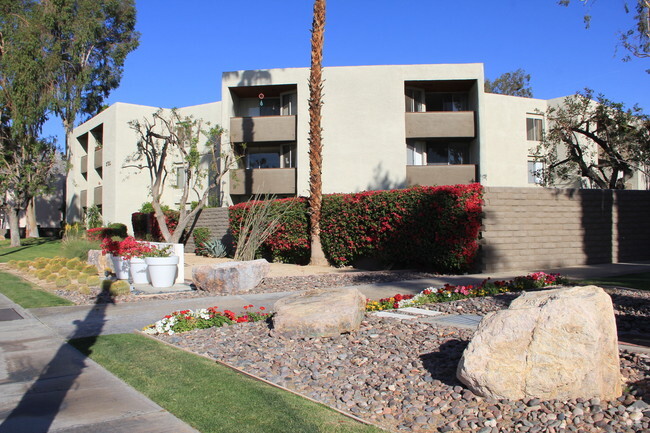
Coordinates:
[145,225]
[432,227]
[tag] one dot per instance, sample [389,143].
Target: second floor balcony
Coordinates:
[431,175]
[279,181]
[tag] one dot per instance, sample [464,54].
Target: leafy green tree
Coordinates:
[25,94]
[599,140]
[516,83]
[90,40]
[167,140]
[636,39]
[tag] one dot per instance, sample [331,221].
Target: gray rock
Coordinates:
[318,313]
[102,263]
[230,278]
[552,344]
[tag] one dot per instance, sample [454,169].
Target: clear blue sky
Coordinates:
[186,45]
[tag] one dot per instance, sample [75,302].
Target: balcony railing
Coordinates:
[267,128]
[97,195]
[430,175]
[84,164]
[99,158]
[263,181]
[432,124]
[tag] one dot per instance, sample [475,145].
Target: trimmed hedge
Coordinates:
[145,225]
[99,233]
[431,227]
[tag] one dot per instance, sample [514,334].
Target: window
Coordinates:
[272,155]
[535,169]
[180,177]
[534,129]
[447,101]
[289,104]
[436,153]
[414,100]
[254,107]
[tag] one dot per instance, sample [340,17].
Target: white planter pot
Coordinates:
[162,270]
[120,267]
[138,271]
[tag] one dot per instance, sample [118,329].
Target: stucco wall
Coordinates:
[535,228]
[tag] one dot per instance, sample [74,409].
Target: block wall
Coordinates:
[537,228]
[216,219]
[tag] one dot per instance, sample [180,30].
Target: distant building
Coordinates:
[383,127]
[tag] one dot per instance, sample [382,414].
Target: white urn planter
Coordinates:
[120,267]
[138,268]
[162,270]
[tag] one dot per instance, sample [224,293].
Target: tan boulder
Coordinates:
[319,313]
[230,278]
[551,344]
[102,262]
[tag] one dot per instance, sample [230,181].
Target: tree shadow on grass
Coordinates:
[42,402]
[442,364]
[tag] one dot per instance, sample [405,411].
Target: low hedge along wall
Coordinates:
[435,228]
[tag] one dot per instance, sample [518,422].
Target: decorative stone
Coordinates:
[551,344]
[318,313]
[102,262]
[230,278]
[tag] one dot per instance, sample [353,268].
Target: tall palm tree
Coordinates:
[315,138]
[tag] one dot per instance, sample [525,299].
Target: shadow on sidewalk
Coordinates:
[42,402]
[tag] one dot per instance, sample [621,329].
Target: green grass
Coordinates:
[210,397]
[25,295]
[29,249]
[639,281]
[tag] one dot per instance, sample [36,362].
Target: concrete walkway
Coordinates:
[48,386]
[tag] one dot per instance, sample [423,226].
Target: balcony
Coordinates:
[263,181]
[434,124]
[99,158]
[430,175]
[97,195]
[84,198]
[84,164]
[267,128]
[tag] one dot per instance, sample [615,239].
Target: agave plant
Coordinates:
[213,248]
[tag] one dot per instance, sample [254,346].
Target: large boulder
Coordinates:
[318,313]
[102,262]
[230,278]
[552,344]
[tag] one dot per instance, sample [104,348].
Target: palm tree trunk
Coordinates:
[315,138]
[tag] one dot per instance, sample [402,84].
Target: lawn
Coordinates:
[210,397]
[25,295]
[30,249]
[639,281]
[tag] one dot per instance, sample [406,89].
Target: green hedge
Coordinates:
[431,227]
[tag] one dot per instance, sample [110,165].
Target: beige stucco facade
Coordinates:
[101,151]
[383,127]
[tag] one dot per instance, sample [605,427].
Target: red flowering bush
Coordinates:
[431,227]
[127,248]
[145,225]
[101,233]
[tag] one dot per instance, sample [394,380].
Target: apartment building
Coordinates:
[383,127]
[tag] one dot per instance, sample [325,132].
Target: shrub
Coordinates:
[23,264]
[52,277]
[90,270]
[145,225]
[213,248]
[62,282]
[116,288]
[93,280]
[42,274]
[432,227]
[200,235]
[84,290]
[101,233]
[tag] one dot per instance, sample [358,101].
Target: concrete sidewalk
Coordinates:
[125,317]
[48,386]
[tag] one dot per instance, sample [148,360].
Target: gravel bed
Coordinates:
[401,375]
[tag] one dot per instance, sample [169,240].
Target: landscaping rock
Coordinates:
[102,263]
[552,344]
[230,278]
[319,313]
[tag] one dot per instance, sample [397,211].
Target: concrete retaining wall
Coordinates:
[216,219]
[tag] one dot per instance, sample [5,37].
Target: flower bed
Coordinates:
[449,292]
[187,320]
